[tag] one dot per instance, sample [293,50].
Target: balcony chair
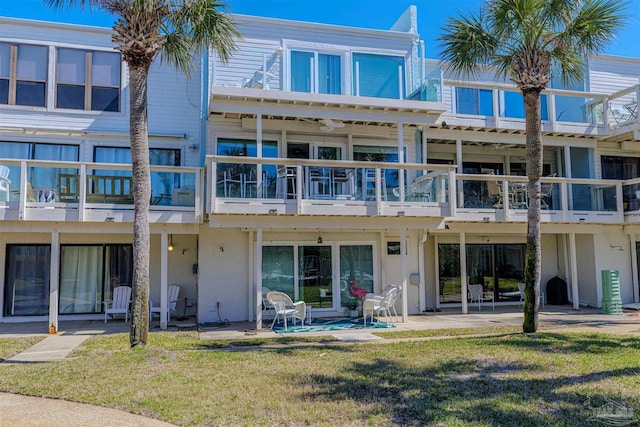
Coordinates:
[384,303]
[172,298]
[284,308]
[230,181]
[369,184]
[4,181]
[266,305]
[119,304]
[545,192]
[521,289]
[495,191]
[477,294]
[418,191]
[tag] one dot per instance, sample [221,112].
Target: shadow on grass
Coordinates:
[485,391]
[593,343]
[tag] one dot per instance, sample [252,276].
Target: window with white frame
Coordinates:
[87,80]
[23,74]
[316,72]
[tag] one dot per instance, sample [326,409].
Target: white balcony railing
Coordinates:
[78,191]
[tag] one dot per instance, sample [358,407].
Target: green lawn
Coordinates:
[12,346]
[513,379]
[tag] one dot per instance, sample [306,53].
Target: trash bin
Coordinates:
[611,300]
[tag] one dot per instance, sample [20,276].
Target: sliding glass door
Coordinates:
[306,272]
[88,274]
[27,280]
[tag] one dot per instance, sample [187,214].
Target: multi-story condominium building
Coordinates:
[321,161]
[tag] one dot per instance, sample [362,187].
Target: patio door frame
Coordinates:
[335,265]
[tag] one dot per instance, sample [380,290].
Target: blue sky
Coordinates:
[380,14]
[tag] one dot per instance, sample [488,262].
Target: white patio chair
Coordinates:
[266,305]
[418,191]
[5,181]
[477,294]
[378,304]
[172,298]
[521,289]
[119,304]
[284,308]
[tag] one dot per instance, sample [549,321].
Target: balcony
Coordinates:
[347,188]
[96,192]
[328,187]
[622,114]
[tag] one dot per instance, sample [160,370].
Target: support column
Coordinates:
[574,271]
[634,268]
[459,170]
[259,154]
[54,281]
[400,160]
[164,258]
[258,270]
[463,273]
[403,259]
[252,279]
[423,134]
[436,269]
[421,272]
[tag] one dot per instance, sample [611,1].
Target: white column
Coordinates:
[421,271]
[436,270]
[252,281]
[259,153]
[459,170]
[401,160]
[423,135]
[574,271]
[54,280]
[403,259]
[164,261]
[258,270]
[634,268]
[463,273]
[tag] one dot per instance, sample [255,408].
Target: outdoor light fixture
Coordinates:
[319,240]
[273,211]
[400,213]
[170,247]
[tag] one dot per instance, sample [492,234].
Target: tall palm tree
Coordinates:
[527,41]
[177,30]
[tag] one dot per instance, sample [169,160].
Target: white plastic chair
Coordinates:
[384,303]
[119,304]
[172,298]
[521,289]
[4,181]
[284,307]
[418,191]
[477,294]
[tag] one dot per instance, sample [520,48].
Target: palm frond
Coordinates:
[466,44]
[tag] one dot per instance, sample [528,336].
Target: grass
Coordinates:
[12,346]
[452,332]
[511,379]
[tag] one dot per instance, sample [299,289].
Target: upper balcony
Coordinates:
[273,186]
[36,190]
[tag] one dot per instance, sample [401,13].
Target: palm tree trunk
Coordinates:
[138,123]
[534,171]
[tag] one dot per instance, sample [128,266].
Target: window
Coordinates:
[478,102]
[380,76]
[87,80]
[316,72]
[23,74]
[162,183]
[512,105]
[241,180]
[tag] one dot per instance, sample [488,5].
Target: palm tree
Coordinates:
[176,29]
[527,41]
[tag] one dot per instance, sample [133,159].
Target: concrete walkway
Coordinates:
[16,410]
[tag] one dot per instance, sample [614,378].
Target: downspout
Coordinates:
[422,64]
[421,272]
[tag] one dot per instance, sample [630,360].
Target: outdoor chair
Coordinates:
[284,308]
[521,289]
[266,305]
[383,303]
[119,304]
[477,294]
[172,298]
[418,191]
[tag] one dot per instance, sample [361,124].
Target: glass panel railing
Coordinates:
[425,186]
[592,197]
[623,109]
[631,197]
[332,183]
[480,194]
[46,184]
